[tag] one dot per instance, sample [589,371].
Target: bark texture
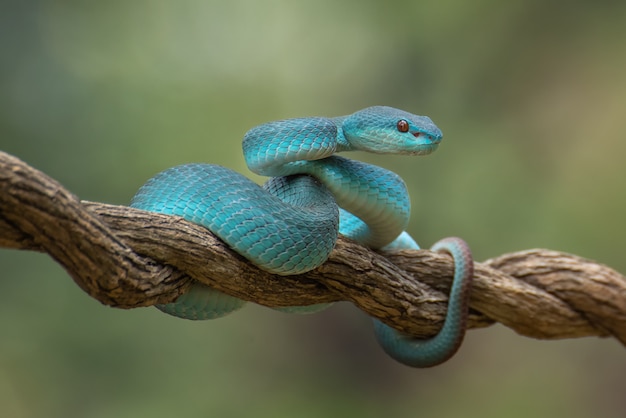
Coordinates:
[128,258]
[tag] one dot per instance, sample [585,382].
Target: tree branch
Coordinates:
[128,258]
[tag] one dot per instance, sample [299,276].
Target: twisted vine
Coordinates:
[128,258]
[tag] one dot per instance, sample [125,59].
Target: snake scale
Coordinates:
[290,224]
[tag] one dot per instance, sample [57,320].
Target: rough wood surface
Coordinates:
[127,258]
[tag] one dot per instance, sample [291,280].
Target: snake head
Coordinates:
[385,130]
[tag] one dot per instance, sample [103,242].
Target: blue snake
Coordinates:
[290,225]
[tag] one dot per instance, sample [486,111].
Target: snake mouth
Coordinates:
[425,143]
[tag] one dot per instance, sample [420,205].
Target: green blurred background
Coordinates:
[531,97]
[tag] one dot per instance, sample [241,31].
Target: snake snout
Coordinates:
[435,139]
[425,143]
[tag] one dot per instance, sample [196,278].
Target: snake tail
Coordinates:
[417,352]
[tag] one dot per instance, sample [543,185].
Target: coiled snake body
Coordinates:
[290,225]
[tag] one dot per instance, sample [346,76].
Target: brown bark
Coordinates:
[127,258]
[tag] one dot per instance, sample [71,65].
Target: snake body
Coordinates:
[290,225]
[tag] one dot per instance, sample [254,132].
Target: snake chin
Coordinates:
[424,149]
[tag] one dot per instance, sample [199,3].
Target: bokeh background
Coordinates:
[531,97]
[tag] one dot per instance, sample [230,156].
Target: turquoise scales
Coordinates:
[290,225]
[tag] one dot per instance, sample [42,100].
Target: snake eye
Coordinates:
[403,126]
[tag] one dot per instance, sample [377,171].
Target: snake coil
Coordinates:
[290,225]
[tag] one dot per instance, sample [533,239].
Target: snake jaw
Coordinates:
[425,149]
[425,143]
